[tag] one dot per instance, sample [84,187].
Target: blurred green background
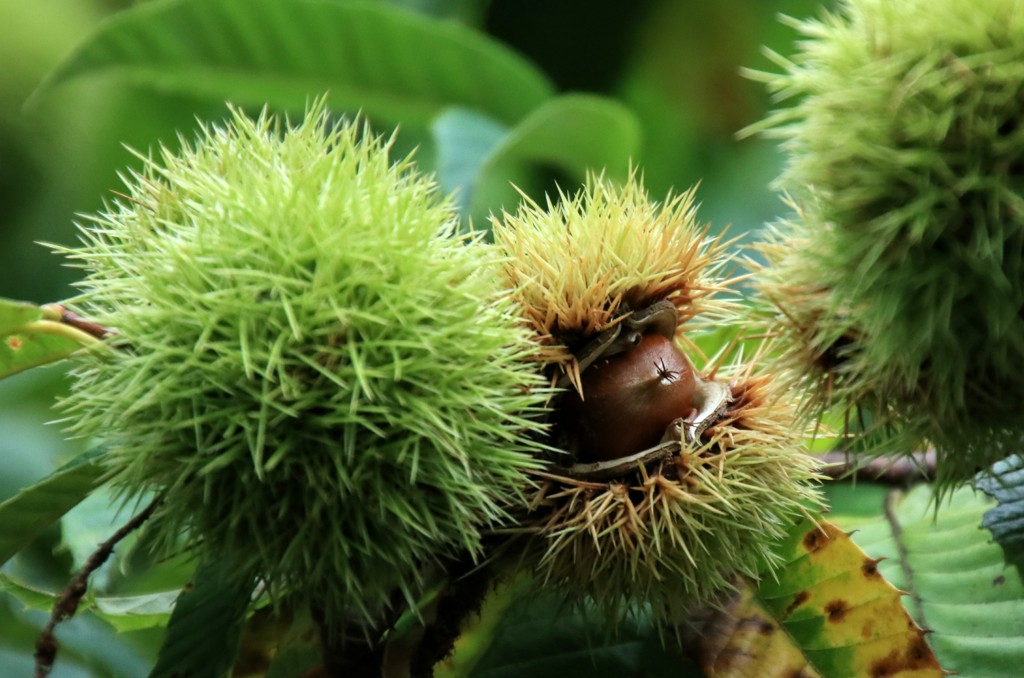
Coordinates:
[674,63]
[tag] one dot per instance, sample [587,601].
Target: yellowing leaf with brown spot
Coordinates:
[828,612]
[28,339]
[744,640]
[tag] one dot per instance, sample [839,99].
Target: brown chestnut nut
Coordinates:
[629,400]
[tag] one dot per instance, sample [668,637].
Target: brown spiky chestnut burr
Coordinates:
[672,482]
[593,261]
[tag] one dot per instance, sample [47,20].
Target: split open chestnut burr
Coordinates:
[629,399]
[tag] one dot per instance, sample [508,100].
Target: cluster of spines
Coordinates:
[581,263]
[325,384]
[670,535]
[902,275]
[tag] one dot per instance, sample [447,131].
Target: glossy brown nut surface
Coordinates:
[629,400]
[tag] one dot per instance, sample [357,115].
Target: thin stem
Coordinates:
[67,604]
[898,470]
[59,313]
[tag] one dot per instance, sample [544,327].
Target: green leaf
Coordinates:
[539,636]
[372,57]
[479,630]
[14,314]
[574,133]
[28,447]
[28,338]
[465,140]
[29,596]
[124,613]
[130,613]
[205,629]
[1006,519]
[960,586]
[35,344]
[26,515]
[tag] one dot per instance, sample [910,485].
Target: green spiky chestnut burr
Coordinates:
[328,387]
[674,481]
[899,283]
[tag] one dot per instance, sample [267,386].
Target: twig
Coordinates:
[67,604]
[892,470]
[62,315]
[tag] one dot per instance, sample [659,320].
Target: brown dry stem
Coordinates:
[67,604]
